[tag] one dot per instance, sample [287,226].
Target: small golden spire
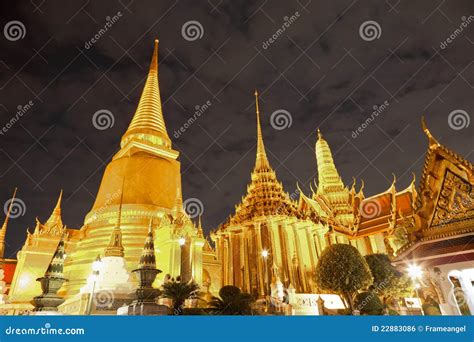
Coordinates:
[3,230]
[200,232]
[7,217]
[261,161]
[115,247]
[55,217]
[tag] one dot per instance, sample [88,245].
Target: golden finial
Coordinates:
[320,136]
[431,139]
[413,179]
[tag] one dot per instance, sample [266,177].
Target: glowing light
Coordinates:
[182,241]
[417,286]
[97,265]
[265,253]
[24,281]
[415,271]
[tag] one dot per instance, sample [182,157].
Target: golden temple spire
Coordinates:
[328,176]
[148,120]
[200,232]
[55,218]
[115,247]
[3,230]
[261,161]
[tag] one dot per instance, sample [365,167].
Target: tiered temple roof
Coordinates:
[265,195]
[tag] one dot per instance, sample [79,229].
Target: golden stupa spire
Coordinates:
[115,247]
[148,119]
[328,176]
[261,161]
[55,218]
[3,230]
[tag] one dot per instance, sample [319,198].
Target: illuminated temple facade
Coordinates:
[272,237]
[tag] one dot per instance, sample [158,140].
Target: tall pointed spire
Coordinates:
[261,161]
[115,247]
[55,218]
[3,230]
[148,120]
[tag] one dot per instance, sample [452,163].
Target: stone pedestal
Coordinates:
[49,300]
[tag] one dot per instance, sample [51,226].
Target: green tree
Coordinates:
[386,276]
[341,269]
[178,292]
[389,283]
[232,302]
[368,303]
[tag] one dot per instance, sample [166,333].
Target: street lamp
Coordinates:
[415,273]
[96,266]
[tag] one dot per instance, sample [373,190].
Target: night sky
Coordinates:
[312,61]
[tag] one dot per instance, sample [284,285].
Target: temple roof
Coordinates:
[265,195]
